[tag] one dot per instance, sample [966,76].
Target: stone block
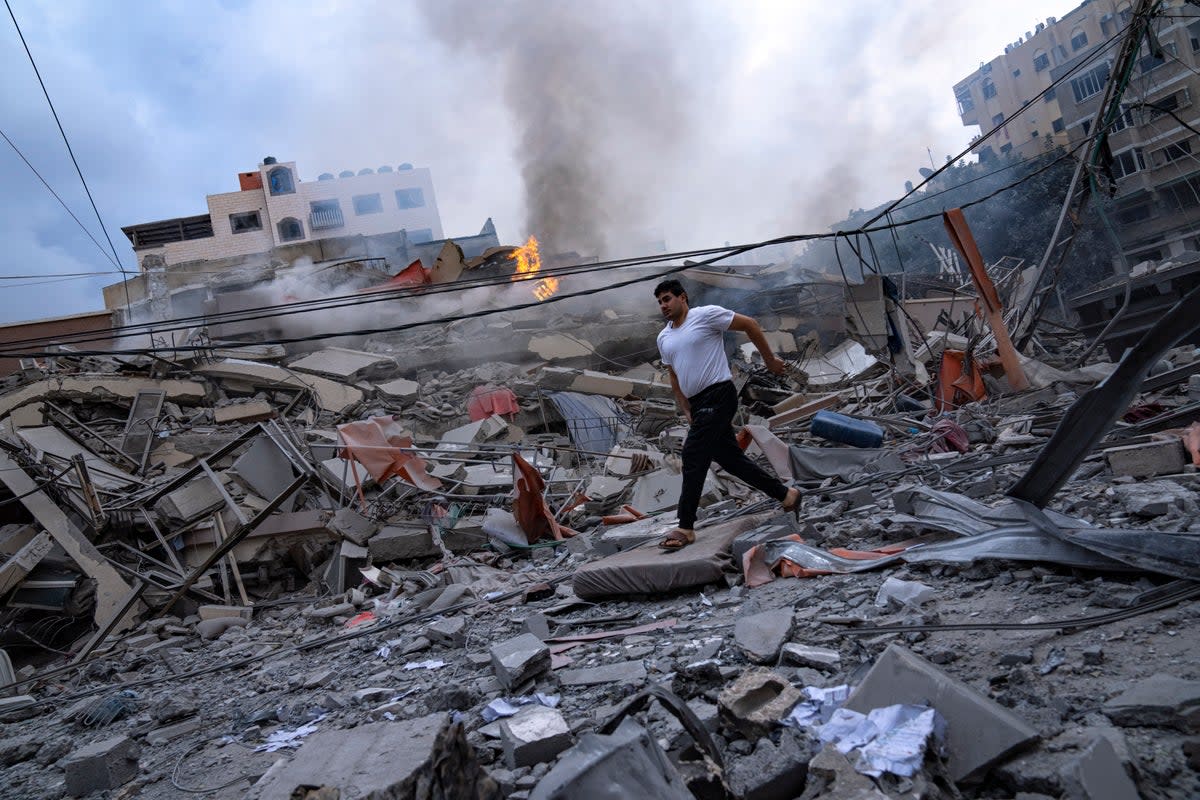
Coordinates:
[106,764]
[250,411]
[762,635]
[401,390]
[1098,775]
[519,659]
[1158,701]
[897,593]
[979,732]
[1165,457]
[622,672]
[449,631]
[353,525]
[1155,498]
[772,772]
[169,733]
[212,628]
[534,735]
[16,749]
[756,701]
[394,543]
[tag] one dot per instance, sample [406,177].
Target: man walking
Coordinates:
[692,347]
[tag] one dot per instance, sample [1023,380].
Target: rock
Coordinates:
[762,635]
[1158,701]
[534,735]
[755,702]
[1016,657]
[899,593]
[1093,656]
[448,631]
[519,659]
[1155,498]
[620,673]
[173,707]
[832,776]
[772,772]
[105,764]
[16,749]
[801,655]
[1098,774]
[212,628]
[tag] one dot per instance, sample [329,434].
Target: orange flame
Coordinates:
[529,263]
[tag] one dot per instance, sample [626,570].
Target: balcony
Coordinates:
[325,219]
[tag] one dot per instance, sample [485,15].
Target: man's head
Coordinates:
[672,299]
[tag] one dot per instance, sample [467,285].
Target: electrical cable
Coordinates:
[37,488]
[67,142]
[66,208]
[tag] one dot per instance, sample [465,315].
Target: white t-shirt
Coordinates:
[696,349]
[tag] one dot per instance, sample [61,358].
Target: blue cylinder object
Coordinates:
[846,430]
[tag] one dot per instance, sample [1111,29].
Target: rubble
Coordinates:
[381,563]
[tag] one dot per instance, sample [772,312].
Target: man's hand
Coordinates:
[775,364]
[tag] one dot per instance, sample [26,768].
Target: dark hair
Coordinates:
[670,285]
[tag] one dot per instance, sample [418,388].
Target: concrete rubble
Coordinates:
[310,573]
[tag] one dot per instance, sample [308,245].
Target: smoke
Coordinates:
[593,92]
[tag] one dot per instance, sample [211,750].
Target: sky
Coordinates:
[585,121]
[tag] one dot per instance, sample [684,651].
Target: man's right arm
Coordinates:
[680,400]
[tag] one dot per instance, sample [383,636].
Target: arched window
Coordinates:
[366,171]
[280,181]
[384,168]
[290,229]
[1041,61]
[325,176]
[346,173]
[1078,39]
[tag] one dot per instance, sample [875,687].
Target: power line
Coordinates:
[66,141]
[61,202]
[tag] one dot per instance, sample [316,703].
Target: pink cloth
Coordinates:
[376,444]
[488,399]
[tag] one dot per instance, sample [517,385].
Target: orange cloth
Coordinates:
[376,444]
[530,509]
[488,399]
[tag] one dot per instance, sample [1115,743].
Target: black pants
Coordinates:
[711,438]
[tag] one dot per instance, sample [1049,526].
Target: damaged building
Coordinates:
[424,562]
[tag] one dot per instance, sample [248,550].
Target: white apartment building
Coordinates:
[275,208]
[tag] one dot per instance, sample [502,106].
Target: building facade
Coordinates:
[275,208]
[993,94]
[1155,147]
[1153,141]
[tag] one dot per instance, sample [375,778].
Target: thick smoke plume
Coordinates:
[591,92]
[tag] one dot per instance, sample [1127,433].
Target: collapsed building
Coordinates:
[416,555]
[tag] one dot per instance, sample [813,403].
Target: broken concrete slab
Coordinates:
[1098,775]
[760,636]
[616,674]
[448,631]
[400,390]
[344,365]
[265,468]
[519,659]
[195,499]
[979,732]
[831,775]
[14,570]
[535,734]
[772,771]
[106,764]
[801,655]
[656,491]
[756,702]
[378,759]
[588,381]
[105,388]
[247,411]
[330,395]
[1158,701]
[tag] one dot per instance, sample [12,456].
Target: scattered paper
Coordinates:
[501,707]
[429,664]
[281,739]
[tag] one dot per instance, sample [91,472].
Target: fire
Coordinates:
[529,263]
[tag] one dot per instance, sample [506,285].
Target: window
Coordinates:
[410,198]
[1033,135]
[280,181]
[1090,83]
[1135,214]
[1194,35]
[1123,120]
[420,236]
[1016,73]
[1041,61]
[1125,14]
[1108,25]
[290,229]
[367,204]
[963,95]
[1176,151]
[1128,162]
[1146,255]
[1166,105]
[249,221]
[1058,125]
[998,119]
[325,214]
[989,89]
[1006,149]
[1078,39]
[1150,62]
[1087,126]
[1051,94]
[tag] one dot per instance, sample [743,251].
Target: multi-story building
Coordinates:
[992,95]
[274,208]
[1153,140]
[1154,143]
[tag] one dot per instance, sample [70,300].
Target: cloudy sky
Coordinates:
[711,121]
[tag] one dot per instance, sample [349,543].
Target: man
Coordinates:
[692,347]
